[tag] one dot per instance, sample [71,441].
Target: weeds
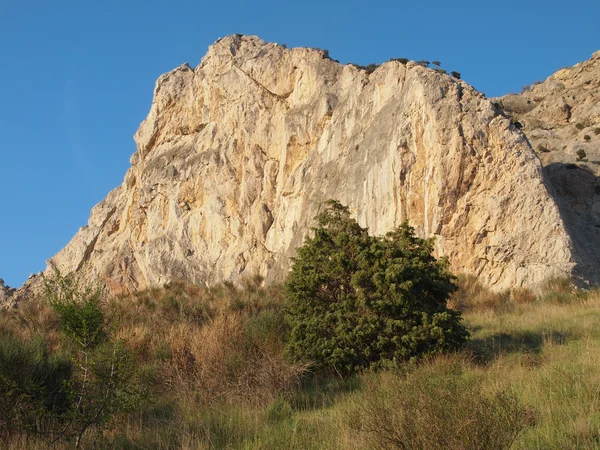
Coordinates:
[212,360]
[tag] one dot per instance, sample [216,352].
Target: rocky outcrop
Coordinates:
[6,294]
[561,118]
[237,155]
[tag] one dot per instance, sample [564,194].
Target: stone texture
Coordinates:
[6,294]
[561,118]
[237,154]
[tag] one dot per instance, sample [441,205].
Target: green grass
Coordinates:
[529,377]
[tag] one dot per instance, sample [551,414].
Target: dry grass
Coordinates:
[219,380]
[437,407]
[219,345]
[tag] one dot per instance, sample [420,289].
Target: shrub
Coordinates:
[587,137]
[596,131]
[455,74]
[357,300]
[580,154]
[400,60]
[579,126]
[33,385]
[522,295]
[437,407]
[542,149]
[436,63]
[371,68]
[102,384]
[474,296]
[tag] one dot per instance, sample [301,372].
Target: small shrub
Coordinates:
[102,384]
[436,63]
[542,149]
[522,296]
[436,407]
[279,410]
[455,74]
[579,126]
[423,63]
[371,68]
[559,290]
[580,154]
[33,386]
[587,138]
[474,296]
[400,60]
[438,70]
[526,88]
[596,131]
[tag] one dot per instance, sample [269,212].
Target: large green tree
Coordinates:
[357,300]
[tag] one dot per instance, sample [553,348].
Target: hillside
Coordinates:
[212,366]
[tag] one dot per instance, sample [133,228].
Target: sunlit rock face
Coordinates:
[561,118]
[6,294]
[237,155]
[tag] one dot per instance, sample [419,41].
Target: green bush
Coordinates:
[371,68]
[580,154]
[104,382]
[455,74]
[357,300]
[32,385]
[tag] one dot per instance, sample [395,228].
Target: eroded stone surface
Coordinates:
[561,118]
[6,294]
[237,154]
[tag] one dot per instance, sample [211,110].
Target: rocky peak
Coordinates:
[237,155]
[561,118]
[6,293]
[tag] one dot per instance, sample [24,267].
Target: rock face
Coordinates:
[6,294]
[237,155]
[561,118]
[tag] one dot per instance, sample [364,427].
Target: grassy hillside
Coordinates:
[210,365]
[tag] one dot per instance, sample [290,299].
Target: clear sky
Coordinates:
[77,77]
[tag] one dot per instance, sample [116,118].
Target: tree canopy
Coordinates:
[358,301]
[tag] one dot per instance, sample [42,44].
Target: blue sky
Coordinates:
[77,79]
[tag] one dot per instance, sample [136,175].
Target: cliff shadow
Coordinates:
[576,191]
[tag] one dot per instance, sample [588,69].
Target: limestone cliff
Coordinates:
[237,154]
[561,118]
[6,294]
